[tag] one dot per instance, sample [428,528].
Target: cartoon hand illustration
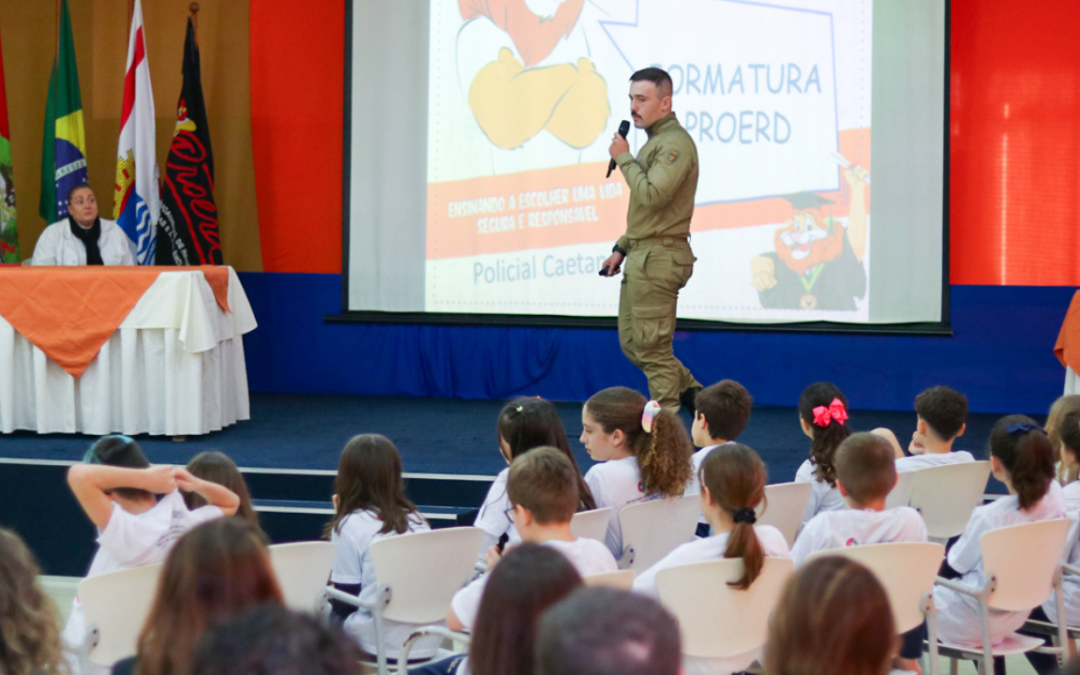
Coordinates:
[583,112]
[534,36]
[856,176]
[513,104]
[763,273]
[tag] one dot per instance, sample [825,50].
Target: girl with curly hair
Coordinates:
[29,621]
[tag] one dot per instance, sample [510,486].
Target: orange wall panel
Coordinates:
[297,73]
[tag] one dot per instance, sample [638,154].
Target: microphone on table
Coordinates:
[624,128]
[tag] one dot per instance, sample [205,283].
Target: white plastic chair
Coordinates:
[717,620]
[784,506]
[418,575]
[652,529]
[623,579]
[1017,581]
[901,492]
[907,571]
[303,570]
[946,496]
[461,643]
[1053,629]
[115,606]
[591,524]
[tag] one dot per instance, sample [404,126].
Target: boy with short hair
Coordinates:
[942,418]
[721,412]
[865,474]
[543,493]
[117,488]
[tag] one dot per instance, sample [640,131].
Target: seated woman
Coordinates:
[82,238]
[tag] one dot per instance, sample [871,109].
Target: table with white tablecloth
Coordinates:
[174,365]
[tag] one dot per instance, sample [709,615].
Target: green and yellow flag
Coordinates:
[9,237]
[63,153]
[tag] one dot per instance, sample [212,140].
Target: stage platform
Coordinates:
[289,451]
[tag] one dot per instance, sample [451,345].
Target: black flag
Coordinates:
[188,227]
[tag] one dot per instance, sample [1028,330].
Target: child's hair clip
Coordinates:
[648,415]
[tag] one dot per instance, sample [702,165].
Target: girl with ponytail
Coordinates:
[644,450]
[1021,457]
[823,417]
[732,479]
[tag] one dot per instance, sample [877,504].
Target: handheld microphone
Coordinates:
[624,128]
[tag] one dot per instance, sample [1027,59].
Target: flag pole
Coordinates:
[56,54]
[194,8]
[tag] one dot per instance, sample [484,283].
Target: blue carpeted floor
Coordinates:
[455,436]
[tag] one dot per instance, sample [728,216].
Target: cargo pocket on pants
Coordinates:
[653,324]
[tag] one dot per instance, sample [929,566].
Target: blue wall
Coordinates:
[1000,354]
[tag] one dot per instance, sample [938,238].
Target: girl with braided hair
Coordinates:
[644,452]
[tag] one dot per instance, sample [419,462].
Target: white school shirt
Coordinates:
[929,459]
[773,545]
[958,620]
[1069,584]
[857,527]
[696,459]
[58,246]
[353,565]
[492,518]
[588,557]
[823,497]
[132,540]
[616,483]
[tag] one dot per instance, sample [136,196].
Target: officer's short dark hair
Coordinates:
[945,410]
[657,76]
[604,631]
[726,407]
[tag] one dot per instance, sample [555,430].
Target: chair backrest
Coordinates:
[717,620]
[946,495]
[907,570]
[424,570]
[118,604]
[623,579]
[784,506]
[1023,559]
[654,528]
[302,570]
[901,492]
[591,524]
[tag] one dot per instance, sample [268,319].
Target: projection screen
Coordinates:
[477,136]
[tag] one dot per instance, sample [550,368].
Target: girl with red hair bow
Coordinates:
[823,417]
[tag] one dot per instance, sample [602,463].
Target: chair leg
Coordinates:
[954,667]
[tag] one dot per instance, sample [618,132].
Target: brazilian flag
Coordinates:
[63,153]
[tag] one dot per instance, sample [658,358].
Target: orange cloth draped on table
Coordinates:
[1067,348]
[69,313]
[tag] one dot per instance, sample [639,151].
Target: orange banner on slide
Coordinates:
[575,204]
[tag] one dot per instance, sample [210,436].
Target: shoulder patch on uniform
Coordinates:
[672,156]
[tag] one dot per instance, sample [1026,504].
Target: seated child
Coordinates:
[721,412]
[1020,457]
[823,417]
[865,474]
[643,450]
[370,504]
[524,423]
[118,489]
[832,618]
[942,418]
[732,485]
[1061,429]
[542,486]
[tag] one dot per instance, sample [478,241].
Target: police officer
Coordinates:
[656,247]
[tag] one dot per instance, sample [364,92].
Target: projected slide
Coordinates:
[524,96]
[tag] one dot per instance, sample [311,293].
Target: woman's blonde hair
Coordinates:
[1066,406]
[29,622]
[663,453]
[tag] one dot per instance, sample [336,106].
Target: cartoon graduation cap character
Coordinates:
[810,240]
